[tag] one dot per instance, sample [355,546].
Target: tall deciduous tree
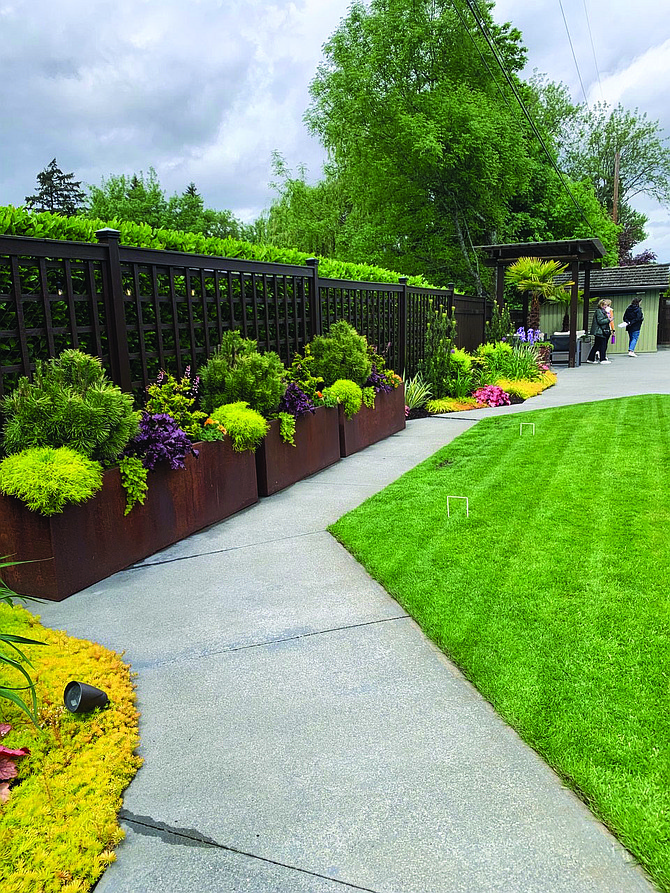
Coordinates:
[58,192]
[418,129]
[644,158]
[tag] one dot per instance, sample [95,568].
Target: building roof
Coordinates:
[640,277]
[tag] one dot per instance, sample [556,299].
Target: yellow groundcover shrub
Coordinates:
[526,389]
[59,827]
[450,404]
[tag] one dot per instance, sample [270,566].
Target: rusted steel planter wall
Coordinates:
[91,541]
[370,425]
[317,445]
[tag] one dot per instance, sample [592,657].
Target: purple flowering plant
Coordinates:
[491,395]
[160,439]
[379,381]
[295,401]
[531,336]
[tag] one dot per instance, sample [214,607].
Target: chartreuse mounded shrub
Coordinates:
[347,393]
[59,827]
[244,425]
[236,372]
[71,403]
[340,354]
[48,479]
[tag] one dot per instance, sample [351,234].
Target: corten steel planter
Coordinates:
[88,542]
[317,445]
[370,425]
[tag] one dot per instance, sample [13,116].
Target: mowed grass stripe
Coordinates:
[552,597]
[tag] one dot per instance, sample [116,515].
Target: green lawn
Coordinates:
[552,597]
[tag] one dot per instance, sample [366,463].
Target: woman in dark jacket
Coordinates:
[633,315]
[601,329]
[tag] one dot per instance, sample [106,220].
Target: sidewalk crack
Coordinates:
[150,827]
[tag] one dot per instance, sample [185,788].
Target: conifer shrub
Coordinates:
[244,425]
[341,354]
[48,479]
[237,372]
[69,403]
[435,367]
[348,394]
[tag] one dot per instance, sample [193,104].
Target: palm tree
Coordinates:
[535,277]
[563,296]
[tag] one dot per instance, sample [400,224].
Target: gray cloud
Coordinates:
[205,90]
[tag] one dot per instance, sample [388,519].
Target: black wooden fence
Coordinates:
[141,310]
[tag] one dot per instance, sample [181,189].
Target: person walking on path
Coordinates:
[633,315]
[602,329]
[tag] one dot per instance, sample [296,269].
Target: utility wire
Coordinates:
[593,50]
[572,49]
[481,55]
[480,24]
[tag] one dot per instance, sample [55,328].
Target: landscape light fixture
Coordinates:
[82,698]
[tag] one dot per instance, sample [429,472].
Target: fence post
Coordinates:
[450,299]
[315,322]
[119,357]
[402,326]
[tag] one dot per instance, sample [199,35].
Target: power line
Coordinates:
[567,31]
[593,50]
[480,24]
[481,55]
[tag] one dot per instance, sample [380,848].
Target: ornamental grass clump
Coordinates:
[48,479]
[417,392]
[70,403]
[244,425]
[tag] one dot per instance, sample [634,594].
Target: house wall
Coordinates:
[551,317]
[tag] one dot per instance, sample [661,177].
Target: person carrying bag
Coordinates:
[601,329]
[633,317]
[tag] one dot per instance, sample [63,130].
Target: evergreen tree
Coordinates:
[58,192]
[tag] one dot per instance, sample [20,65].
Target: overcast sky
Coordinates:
[205,90]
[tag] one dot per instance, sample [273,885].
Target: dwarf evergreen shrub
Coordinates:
[71,403]
[237,372]
[341,354]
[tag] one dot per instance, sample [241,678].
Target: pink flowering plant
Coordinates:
[491,395]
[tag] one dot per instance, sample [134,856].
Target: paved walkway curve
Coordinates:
[300,733]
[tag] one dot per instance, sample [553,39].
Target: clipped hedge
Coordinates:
[19,222]
[59,828]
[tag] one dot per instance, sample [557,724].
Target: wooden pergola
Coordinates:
[581,254]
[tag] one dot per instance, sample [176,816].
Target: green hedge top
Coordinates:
[19,222]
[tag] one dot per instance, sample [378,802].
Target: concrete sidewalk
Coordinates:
[301,734]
